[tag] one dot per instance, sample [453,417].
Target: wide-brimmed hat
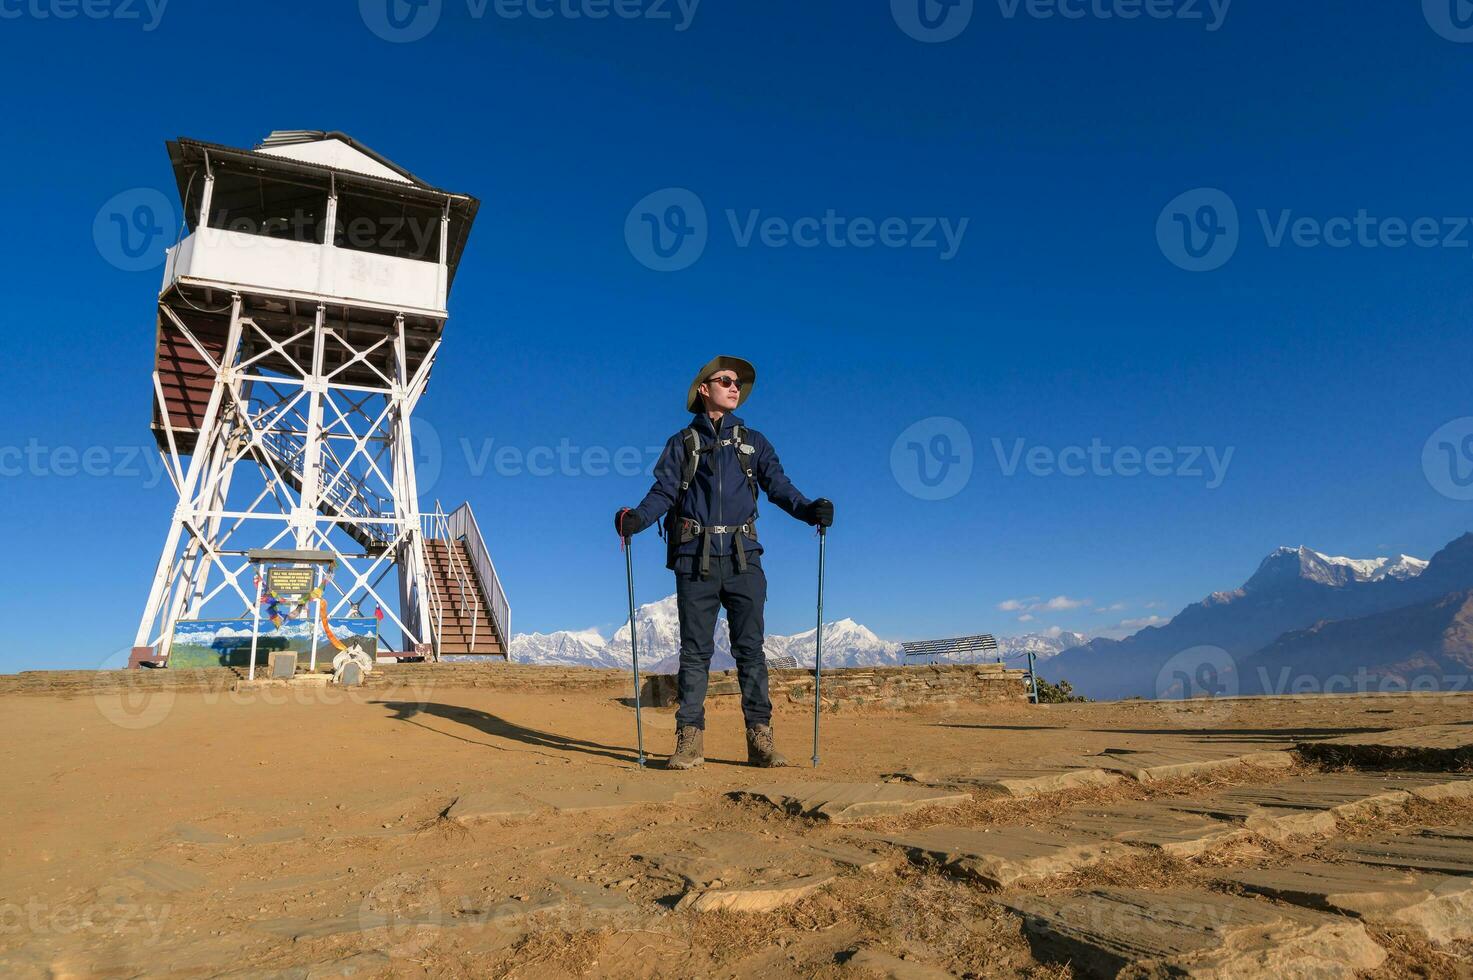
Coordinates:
[745,373]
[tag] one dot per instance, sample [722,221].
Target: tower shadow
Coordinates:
[490,724]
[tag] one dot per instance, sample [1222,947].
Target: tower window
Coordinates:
[271,207]
[387,227]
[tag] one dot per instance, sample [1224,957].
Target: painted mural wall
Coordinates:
[227,642]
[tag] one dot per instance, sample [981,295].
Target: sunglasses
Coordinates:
[726,382]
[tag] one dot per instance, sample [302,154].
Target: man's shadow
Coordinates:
[492,725]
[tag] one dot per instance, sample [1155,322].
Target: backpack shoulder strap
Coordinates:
[692,441]
[746,455]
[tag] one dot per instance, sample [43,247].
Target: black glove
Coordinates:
[627,522]
[821,512]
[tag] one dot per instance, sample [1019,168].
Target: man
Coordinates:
[706,484]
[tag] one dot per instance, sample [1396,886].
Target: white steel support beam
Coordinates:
[413,586]
[164,573]
[193,567]
[312,449]
[324,413]
[221,491]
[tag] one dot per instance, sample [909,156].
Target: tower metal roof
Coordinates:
[296,137]
[190,158]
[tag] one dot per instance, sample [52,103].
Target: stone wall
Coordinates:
[83,682]
[504,676]
[884,687]
[888,687]
[494,674]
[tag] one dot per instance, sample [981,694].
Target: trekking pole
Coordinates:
[818,646]
[634,647]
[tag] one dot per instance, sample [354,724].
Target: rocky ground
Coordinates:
[412,829]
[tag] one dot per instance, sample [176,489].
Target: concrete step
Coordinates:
[1112,767]
[1178,763]
[1005,856]
[1310,805]
[1439,850]
[848,802]
[1307,806]
[1192,933]
[1152,825]
[1438,907]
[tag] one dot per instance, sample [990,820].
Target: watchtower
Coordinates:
[298,323]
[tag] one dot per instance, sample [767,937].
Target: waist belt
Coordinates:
[690,529]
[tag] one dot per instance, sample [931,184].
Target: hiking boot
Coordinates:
[760,750]
[689,751]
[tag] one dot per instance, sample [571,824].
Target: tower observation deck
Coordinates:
[299,320]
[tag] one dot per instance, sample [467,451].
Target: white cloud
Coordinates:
[1026,618]
[1113,607]
[1036,604]
[1015,604]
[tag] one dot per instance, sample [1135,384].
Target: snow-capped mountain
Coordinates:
[1041,645]
[1401,567]
[1304,564]
[845,644]
[584,648]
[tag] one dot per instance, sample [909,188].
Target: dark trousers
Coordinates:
[743,595]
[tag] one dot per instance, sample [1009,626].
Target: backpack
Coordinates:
[746,454]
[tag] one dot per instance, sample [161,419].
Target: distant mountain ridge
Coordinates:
[1292,590]
[1426,646]
[846,643]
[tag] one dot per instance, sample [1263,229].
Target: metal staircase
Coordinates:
[344,495]
[469,612]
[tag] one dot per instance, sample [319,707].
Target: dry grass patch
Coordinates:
[1151,869]
[551,953]
[1409,955]
[1417,814]
[939,920]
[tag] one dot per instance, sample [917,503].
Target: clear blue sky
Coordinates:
[1059,320]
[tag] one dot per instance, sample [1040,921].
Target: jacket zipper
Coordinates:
[720,485]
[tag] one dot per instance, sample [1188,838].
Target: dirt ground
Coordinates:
[205,834]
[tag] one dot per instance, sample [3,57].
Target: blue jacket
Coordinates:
[719,493]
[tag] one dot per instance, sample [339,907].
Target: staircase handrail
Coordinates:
[437,527]
[462,577]
[431,527]
[462,526]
